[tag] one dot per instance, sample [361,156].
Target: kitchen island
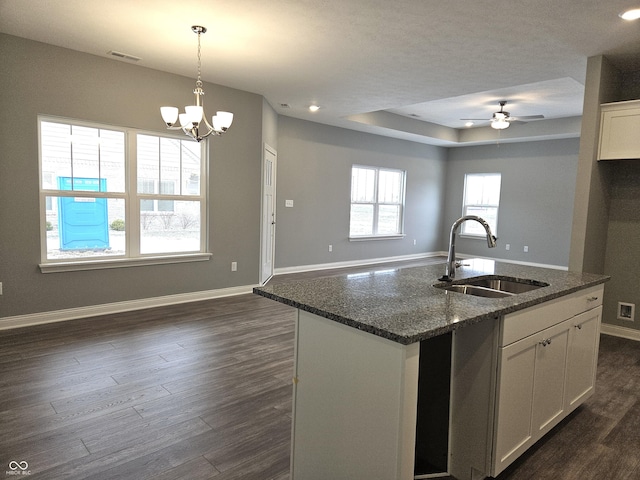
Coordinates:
[386,357]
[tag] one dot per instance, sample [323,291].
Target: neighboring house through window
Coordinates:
[377,202]
[109,192]
[482,199]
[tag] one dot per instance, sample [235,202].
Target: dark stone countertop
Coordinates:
[402,305]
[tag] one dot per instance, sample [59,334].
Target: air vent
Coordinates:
[285,105]
[124,56]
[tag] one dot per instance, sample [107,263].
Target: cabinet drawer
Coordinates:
[518,325]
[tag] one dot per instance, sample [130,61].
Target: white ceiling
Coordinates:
[371,65]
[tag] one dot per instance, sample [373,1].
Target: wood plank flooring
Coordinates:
[203,390]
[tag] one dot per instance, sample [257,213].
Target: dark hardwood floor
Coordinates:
[203,390]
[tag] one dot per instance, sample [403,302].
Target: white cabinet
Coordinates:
[619,131]
[530,396]
[583,357]
[545,375]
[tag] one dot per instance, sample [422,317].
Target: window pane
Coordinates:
[361,220]
[388,219]
[489,214]
[170,169]
[172,231]
[76,152]
[148,161]
[81,227]
[363,184]
[389,186]
[191,168]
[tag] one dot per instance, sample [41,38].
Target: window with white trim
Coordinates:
[482,199]
[377,202]
[109,192]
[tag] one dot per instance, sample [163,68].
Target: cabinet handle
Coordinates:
[545,342]
[579,326]
[592,299]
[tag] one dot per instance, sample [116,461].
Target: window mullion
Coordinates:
[132,206]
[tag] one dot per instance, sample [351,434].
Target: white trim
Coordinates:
[616,331]
[118,307]
[355,263]
[377,237]
[122,262]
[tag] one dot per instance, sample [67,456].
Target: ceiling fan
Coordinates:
[501,119]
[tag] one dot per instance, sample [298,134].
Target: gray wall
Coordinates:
[314,170]
[36,78]
[622,253]
[536,198]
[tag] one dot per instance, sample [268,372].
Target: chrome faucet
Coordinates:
[450,269]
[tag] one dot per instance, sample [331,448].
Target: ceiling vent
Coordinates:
[124,56]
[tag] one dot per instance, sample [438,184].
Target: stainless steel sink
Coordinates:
[477,291]
[510,285]
[493,286]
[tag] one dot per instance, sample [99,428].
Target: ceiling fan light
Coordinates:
[499,124]
[632,14]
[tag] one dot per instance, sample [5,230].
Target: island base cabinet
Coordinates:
[530,390]
[545,375]
[354,404]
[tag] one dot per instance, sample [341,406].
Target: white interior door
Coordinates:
[268,227]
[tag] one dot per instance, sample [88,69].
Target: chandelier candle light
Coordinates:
[194,114]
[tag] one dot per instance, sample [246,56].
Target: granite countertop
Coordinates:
[402,304]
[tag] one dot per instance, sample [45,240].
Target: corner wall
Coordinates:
[314,170]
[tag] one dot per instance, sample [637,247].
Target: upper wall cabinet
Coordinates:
[619,131]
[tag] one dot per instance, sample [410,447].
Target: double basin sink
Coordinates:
[492,286]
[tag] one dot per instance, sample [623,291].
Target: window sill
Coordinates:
[377,237]
[121,263]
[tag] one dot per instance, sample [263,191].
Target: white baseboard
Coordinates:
[616,331]
[118,307]
[355,263]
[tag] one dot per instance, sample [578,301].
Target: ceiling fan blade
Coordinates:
[527,117]
[477,119]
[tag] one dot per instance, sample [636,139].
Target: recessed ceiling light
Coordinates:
[632,14]
[468,124]
[314,108]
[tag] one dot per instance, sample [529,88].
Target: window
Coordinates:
[377,202]
[481,198]
[115,193]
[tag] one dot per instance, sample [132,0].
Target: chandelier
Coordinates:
[191,120]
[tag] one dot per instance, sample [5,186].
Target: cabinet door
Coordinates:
[514,402]
[530,389]
[549,382]
[619,133]
[583,357]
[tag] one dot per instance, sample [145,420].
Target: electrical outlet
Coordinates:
[526,249]
[626,311]
[331,248]
[234,266]
[507,246]
[414,241]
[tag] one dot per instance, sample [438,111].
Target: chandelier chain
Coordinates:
[199,80]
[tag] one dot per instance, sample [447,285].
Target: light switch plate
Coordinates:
[288,203]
